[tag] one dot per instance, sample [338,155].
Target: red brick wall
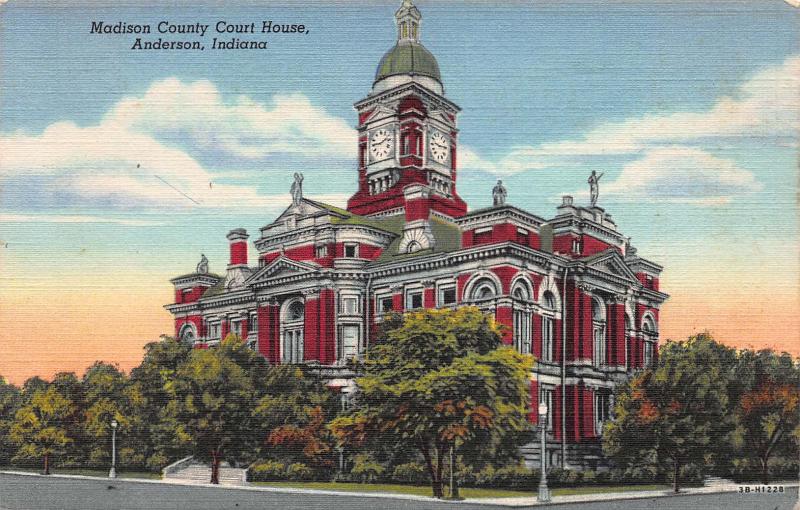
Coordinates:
[311,330]
[197,320]
[239,252]
[506,274]
[504,315]
[269,332]
[327,331]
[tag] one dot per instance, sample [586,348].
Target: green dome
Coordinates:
[408,57]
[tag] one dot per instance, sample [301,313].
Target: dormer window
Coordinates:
[322,251]
[350,250]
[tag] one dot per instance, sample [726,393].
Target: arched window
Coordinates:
[292,332]
[187,334]
[648,325]
[522,318]
[548,326]
[413,246]
[599,333]
[483,289]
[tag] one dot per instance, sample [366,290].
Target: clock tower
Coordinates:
[407,130]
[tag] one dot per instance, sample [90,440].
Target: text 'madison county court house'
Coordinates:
[570,288]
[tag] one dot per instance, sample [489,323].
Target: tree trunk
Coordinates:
[214,468]
[765,470]
[675,477]
[436,480]
[47,463]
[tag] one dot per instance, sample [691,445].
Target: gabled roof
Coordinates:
[279,266]
[610,261]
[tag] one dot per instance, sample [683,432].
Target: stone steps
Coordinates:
[201,473]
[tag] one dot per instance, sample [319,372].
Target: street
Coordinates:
[39,493]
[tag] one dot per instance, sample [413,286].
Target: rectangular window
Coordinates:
[351,250]
[252,325]
[601,411]
[522,331]
[214,331]
[414,299]
[648,354]
[577,246]
[599,352]
[322,251]
[447,295]
[236,327]
[349,305]
[349,345]
[385,304]
[546,397]
[292,348]
[548,337]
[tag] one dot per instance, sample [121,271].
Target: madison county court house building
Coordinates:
[570,287]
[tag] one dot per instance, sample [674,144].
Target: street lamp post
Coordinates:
[543,495]
[113,472]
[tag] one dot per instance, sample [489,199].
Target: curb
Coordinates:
[500,502]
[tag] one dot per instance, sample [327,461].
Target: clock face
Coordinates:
[440,147]
[380,144]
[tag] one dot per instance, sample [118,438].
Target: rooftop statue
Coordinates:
[499,193]
[297,189]
[202,267]
[594,188]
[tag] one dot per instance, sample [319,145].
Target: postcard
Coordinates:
[412,253]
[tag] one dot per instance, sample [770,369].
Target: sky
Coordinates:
[119,167]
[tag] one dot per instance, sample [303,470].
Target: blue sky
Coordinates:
[690,108]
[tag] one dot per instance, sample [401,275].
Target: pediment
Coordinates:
[305,208]
[282,266]
[611,262]
[380,112]
[441,116]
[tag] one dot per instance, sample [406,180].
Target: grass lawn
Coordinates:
[86,472]
[466,492]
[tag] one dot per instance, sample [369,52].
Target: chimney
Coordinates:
[238,239]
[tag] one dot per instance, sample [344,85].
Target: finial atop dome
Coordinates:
[408,18]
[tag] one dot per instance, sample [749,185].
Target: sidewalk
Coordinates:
[498,502]
[612,496]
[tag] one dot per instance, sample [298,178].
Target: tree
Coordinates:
[674,413]
[39,426]
[150,425]
[212,401]
[294,413]
[104,399]
[439,378]
[9,402]
[767,416]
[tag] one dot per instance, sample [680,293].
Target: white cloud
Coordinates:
[126,161]
[765,108]
[683,175]
[242,126]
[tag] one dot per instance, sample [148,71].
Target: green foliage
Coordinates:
[268,471]
[441,378]
[412,473]
[39,427]
[212,399]
[10,399]
[293,414]
[366,469]
[299,472]
[673,414]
